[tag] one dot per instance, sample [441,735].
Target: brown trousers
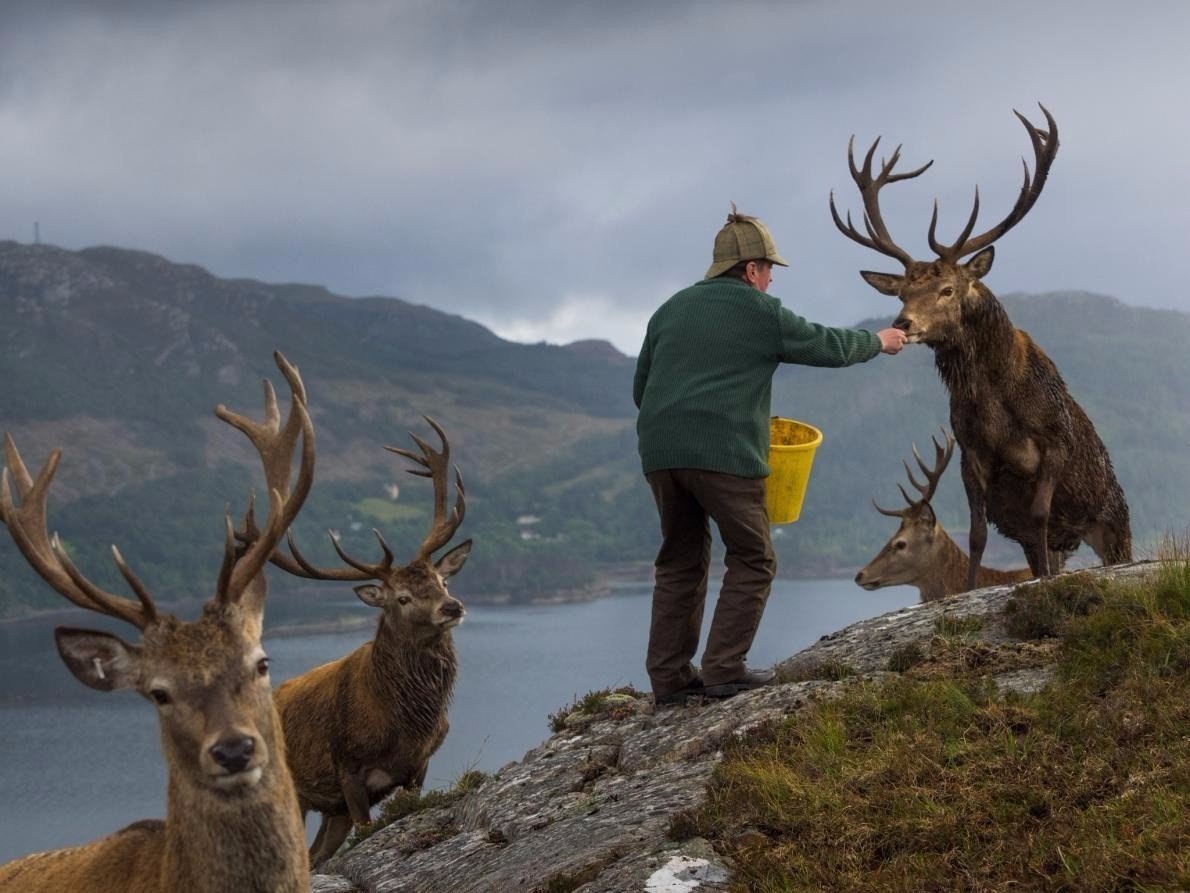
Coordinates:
[686,499]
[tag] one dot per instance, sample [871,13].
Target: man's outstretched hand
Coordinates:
[891,340]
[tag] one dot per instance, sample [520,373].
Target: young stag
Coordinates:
[1032,461]
[232,819]
[921,553]
[363,725]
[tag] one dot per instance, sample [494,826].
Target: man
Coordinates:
[703,387]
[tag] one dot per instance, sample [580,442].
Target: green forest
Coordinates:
[119,358]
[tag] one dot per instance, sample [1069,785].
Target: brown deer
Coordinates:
[921,553]
[1032,461]
[232,820]
[361,726]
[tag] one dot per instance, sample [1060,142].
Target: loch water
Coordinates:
[76,764]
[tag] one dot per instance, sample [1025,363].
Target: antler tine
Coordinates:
[892,513]
[45,554]
[275,444]
[437,467]
[1045,149]
[878,237]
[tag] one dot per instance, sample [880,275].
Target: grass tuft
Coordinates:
[402,803]
[903,657]
[1041,610]
[949,625]
[804,671]
[614,703]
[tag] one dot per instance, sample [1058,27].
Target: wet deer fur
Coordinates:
[921,552]
[232,820]
[359,727]
[1032,462]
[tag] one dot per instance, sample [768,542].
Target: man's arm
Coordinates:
[812,344]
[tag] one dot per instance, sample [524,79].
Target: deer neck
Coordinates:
[246,842]
[984,348]
[949,569]
[415,673]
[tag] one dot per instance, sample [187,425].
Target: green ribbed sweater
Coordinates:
[704,376]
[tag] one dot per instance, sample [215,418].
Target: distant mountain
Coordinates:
[120,356]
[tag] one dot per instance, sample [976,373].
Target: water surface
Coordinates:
[76,764]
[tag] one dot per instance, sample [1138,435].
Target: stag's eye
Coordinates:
[946,292]
[901,545]
[403,599]
[262,666]
[161,696]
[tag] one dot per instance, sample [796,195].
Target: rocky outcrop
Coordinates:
[591,808]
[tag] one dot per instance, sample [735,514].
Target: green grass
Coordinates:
[385,511]
[946,784]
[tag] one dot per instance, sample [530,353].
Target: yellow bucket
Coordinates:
[791,453]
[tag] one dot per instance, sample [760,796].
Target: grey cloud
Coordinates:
[490,159]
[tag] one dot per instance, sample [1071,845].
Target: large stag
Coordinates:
[232,819]
[921,553]
[361,726]
[1032,461]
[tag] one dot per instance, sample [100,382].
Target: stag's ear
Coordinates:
[885,283]
[371,595]
[100,660]
[452,562]
[980,265]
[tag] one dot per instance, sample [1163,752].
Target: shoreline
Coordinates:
[609,581]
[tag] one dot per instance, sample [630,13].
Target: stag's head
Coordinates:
[208,678]
[910,554]
[936,294]
[413,596]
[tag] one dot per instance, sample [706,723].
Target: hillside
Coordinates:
[120,356]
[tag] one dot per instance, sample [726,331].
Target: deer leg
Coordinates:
[316,846]
[978,531]
[333,832]
[1040,512]
[355,794]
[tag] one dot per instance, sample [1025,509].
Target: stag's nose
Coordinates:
[902,323]
[233,753]
[453,608]
[859,578]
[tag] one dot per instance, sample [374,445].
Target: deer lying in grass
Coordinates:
[232,819]
[921,553]
[1032,461]
[361,726]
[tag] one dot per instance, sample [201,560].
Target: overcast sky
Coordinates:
[555,170]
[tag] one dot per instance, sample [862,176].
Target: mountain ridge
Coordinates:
[120,356]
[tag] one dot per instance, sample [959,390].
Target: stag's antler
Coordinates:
[869,188]
[1045,147]
[435,465]
[46,555]
[941,460]
[275,444]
